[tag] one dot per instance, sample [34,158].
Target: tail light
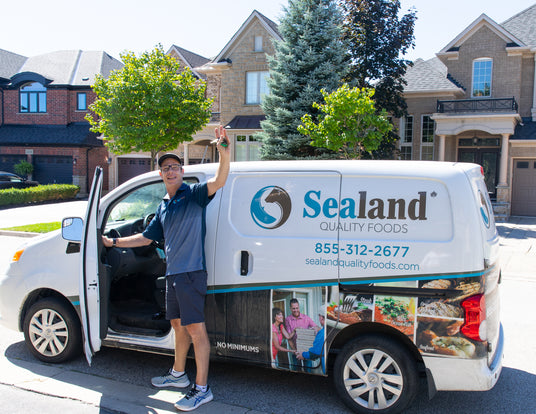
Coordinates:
[475,318]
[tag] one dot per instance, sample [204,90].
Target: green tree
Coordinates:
[310,57]
[378,38]
[152,104]
[349,123]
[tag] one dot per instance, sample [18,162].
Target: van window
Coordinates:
[139,203]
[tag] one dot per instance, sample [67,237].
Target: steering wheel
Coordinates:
[147,220]
[113,234]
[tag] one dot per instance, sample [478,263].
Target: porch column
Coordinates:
[504,160]
[533,110]
[441,148]
[186,160]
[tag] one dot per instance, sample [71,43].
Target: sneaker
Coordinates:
[194,399]
[169,380]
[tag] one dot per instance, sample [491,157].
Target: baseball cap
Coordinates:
[166,156]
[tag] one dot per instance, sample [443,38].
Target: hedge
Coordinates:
[49,192]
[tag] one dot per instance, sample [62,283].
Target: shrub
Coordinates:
[23,168]
[49,192]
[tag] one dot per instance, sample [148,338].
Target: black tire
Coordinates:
[52,331]
[391,381]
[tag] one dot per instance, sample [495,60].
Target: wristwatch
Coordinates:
[114,242]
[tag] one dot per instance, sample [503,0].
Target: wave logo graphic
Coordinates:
[270,207]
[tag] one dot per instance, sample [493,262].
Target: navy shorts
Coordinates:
[185,297]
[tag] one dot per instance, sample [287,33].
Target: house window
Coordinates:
[406,138]
[33,98]
[247,148]
[256,87]
[482,71]
[427,138]
[81,101]
[258,44]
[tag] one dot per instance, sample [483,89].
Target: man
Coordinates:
[317,350]
[180,221]
[297,320]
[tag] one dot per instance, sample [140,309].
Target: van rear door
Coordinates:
[90,296]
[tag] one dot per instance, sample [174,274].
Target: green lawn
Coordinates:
[36,228]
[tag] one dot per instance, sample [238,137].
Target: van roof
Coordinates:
[375,167]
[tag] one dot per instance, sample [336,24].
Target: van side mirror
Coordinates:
[71,229]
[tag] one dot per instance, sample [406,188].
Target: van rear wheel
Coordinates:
[374,374]
[52,331]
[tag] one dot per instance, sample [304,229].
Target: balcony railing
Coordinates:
[477,105]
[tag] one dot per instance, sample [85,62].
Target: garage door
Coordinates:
[131,167]
[7,162]
[524,188]
[53,169]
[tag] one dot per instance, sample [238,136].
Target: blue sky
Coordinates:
[202,27]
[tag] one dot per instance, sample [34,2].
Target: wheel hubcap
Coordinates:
[48,332]
[373,379]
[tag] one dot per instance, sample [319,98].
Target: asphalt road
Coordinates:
[268,391]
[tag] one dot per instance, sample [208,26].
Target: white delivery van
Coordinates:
[383,270]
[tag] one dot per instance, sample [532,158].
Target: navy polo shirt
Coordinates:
[180,221]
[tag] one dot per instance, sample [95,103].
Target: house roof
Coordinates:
[429,76]
[269,25]
[10,63]
[75,134]
[523,25]
[525,130]
[482,20]
[69,67]
[190,59]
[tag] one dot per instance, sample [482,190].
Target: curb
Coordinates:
[12,233]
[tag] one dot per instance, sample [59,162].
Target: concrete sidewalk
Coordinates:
[101,393]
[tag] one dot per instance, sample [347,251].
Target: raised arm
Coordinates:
[224,149]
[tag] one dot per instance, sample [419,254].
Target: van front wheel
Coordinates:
[374,374]
[52,331]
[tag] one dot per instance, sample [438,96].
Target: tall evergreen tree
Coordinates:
[310,57]
[378,39]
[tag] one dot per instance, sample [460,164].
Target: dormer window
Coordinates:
[482,71]
[33,98]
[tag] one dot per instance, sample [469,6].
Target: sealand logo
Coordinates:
[270,207]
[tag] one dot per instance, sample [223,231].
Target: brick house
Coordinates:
[476,102]
[236,80]
[43,102]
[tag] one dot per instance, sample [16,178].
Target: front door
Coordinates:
[489,159]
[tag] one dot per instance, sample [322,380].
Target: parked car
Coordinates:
[10,180]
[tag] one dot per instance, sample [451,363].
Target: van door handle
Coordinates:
[244,263]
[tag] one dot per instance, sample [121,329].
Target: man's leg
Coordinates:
[182,345]
[198,334]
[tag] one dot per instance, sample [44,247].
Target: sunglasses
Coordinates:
[171,167]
